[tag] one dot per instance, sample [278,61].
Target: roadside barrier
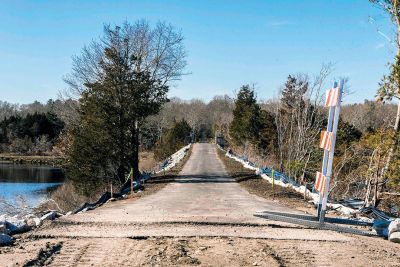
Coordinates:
[283,180]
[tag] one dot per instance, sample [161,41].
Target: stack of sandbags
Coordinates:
[394,231]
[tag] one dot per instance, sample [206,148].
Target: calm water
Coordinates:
[30,182]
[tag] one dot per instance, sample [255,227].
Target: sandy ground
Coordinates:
[202,218]
[198,251]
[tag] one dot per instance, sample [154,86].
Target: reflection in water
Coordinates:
[28,181]
[29,174]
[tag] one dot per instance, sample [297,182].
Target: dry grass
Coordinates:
[147,161]
[262,188]
[160,180]
[65,198]
[255,156]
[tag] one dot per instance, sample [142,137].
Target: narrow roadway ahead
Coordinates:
[204,192]
[203,218]
[203,201]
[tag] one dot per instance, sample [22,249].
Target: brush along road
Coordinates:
[202,218]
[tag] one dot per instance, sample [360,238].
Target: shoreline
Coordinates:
[51,161]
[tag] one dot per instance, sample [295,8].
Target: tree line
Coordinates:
[32,128]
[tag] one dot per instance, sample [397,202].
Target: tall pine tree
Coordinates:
[250,123]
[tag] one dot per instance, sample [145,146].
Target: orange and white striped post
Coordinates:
[327,142]
[320,182]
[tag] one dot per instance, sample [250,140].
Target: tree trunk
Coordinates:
[375,200]
[135,158]
[121,168]
[367,193]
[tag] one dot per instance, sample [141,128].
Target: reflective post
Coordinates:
[331,154]
[326,153]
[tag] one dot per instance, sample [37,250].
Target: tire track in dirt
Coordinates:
[201,251]
[95,252]
[291,255]
[45,254]
[353,253]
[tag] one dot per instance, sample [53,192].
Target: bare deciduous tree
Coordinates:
[160,52]
[299,119]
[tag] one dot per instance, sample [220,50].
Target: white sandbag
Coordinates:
[394,226]
[394,237]
[49,216]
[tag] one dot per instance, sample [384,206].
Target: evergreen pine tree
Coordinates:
[250,123]
[113,107]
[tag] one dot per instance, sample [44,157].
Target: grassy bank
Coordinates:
[260,187]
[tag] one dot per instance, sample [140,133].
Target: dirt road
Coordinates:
[203,218]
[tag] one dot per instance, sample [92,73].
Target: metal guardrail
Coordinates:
[316,219]
[279,176]
[312,221]
[303,220]
[268,171]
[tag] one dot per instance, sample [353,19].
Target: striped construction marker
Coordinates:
[320,182]
[326,140]
[332,96]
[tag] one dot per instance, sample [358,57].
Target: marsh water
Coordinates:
[29,183]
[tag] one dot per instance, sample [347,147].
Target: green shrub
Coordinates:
[176,137]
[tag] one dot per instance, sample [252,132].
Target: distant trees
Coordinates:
[369,115]
[35,133]
[205,119]
[173,139]
[7,110]
[121,80]
[220,109]
[64,109]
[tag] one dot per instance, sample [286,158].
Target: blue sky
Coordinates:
[229,43]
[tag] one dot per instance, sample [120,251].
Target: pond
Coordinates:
[30,183]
